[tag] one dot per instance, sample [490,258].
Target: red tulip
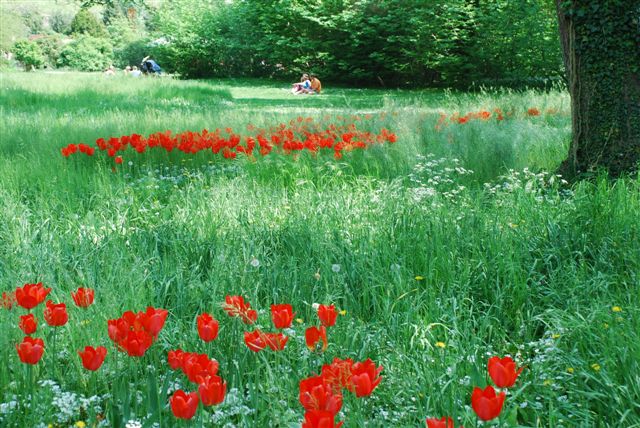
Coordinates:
[176,359]
[119,160]
[55,314]
[92,358]
[235,306]
[83,297]
[212,390]
[184,406]
[198,365]
[30,350]
[444,422]
[317,394]
[31,295]
[207,327]
[365,377]
[28,324]
[136,343]
[503,371]
[275,341]
[486,403]
[282,315]
[118,329]
[153,320]
[313,335]
[338,373]
[319,419]
[327,315]
[8,299]
[254,340]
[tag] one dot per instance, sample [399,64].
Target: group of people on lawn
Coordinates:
[308,84]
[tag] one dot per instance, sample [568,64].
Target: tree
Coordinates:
[29,54]
[601,51]
[85,23]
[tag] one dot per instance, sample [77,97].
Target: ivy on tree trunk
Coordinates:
[601,50]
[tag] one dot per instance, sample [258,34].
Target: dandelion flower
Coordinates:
[343,312]
[596,367]
[570,370]
[419,278]
[441,344]
[335,268]
[616,309]
[255,262]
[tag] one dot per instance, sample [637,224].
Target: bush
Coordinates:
[61,22]
[50,47]
[29,54]
[85,23]
[132,53]
[87,54]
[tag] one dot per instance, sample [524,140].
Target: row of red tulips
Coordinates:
[485,115]
[296,137]
[321,395]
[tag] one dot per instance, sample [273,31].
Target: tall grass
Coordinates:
[523,265]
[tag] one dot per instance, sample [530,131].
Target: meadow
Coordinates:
[453,244]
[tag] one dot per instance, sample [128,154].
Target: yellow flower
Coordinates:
[555,336]
[595,366]
[419,278]
[441,344]
[547,382]
[605,325]
[616,309]
[299,320]
[80,424]
[570,370]
[343,312]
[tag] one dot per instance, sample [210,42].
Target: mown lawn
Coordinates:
[443,249]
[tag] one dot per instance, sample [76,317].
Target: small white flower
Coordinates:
[315,306]
[255,262]
[130,163]
[335,268]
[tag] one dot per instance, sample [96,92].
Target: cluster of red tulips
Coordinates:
[299,135]
[483,115]
[321,395]
[135,333]
[486,402]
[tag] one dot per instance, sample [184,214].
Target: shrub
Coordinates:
[50,47]
[87,54]
[132,53]
[61,22]
[86,23]
[29,54]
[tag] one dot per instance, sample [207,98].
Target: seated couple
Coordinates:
[309,84]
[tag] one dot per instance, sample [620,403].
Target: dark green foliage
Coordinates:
[60,22]
[33,20]
[29,54]
[87,54]
[131,53]
[602,54]
[365,42]
[86,23]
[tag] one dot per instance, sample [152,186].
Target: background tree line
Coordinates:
[360,42]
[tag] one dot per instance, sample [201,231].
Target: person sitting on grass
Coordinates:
[316,86]
[303,86]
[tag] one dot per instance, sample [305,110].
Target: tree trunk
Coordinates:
[601,50]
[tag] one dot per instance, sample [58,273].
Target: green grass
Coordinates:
[522,265]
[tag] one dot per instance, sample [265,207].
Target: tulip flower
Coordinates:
[8,299]
[83,297]
[207,327]
[92,358]
[255,340]
[327,315]
[275,341]
[55,314]
[365,377]
[313,335]
[176,359]
[503,371]
[235,306]
[486,403]
[183,405]
[28,324]
[30,350]
[153,320]
[338,373]
[317,394]
[31,295]
[444,422]
[282,315]
[136,343]
[319,419]
[211,389]
[198,365]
